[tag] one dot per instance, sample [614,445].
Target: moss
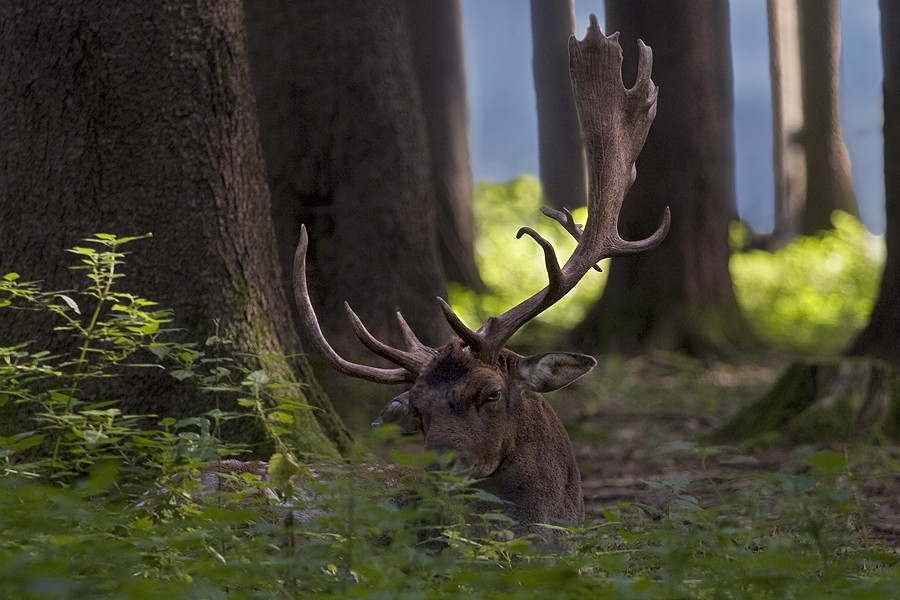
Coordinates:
[829,400]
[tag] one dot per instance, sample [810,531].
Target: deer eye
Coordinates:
[492,396]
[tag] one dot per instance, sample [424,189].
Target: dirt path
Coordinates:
[640,420]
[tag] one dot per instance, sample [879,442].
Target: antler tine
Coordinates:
[614,123]
[412,342]
[311,324]
[411,361]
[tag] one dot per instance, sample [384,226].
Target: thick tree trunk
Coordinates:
[563,169]
[436,32]
[829,181]
[838,400]
[678,296]
[129,119]
[345,143]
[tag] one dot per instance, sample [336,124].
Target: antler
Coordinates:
[410,361]
[614,123]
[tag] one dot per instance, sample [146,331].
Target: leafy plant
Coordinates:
[814,294]
[97,504]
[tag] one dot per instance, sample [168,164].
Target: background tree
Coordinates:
[345,141]
[788,158]
[829,181]
[679,296]
[436,32]
[855,398]
[563,171]
[881,338]
[137,120]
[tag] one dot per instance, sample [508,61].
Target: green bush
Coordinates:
[813,295]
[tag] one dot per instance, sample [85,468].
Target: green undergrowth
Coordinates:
[99,504]
[813,295]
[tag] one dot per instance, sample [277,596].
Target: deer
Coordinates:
[472,396]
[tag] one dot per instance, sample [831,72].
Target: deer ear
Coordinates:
[548,372]
[399,413]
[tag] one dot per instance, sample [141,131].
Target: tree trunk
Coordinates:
[137,119]
[788,158]
[838,400]
[345,143]
[680,295]
[829,181]
[436,31]
[563,169]
[881,338]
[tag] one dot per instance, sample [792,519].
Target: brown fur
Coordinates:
[515,441]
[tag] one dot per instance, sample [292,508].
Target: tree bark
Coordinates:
[137,118]
[829,181]
[346,147]
[680,295]
[788,158]
[436,32]
[563,169]
[881,337]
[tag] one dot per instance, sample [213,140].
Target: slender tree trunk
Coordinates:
[881,338]
[563,169]
[137,118]
[829,181]
[788,158]
[680,295]
[436,31]
[345,143]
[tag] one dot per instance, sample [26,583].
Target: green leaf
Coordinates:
[159,350]
[11,276]
[72,304]
[829,460]
[281,468]
[81,250]
[282,417]
[181,374]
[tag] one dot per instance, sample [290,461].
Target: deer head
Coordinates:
[480,400]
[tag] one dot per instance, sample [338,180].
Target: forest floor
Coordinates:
[638,427]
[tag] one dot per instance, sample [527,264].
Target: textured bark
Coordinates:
[346,149]
[680,295]
[563,169]
[436,32]
[829,181]
[881,338]
[135,118]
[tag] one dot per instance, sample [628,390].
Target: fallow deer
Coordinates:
[480,400]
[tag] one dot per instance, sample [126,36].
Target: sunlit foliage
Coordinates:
[809,297]
[813,295]
[513,269]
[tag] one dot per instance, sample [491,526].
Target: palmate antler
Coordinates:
[614,123]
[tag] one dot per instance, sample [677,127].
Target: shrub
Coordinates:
[813,295]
